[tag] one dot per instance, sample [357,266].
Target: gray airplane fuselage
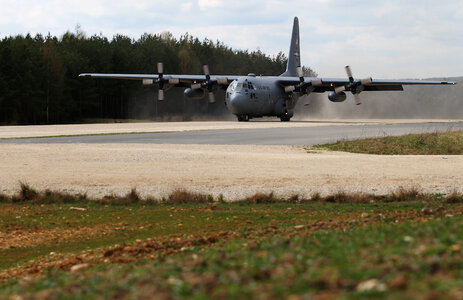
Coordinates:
[256,96]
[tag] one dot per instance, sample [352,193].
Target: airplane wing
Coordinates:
[321,85]
[379,84]
[173,79]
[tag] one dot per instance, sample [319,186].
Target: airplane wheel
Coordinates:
[243,118]
[285,118]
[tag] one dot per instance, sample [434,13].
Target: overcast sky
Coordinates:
[383,39]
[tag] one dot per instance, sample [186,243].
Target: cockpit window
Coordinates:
[233,85]
[242,85]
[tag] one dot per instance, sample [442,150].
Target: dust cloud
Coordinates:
[415,102]
[143,105]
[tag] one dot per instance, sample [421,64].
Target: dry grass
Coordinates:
[27,194]
[183,196]
[399,195]
[454,197]
[262,198]
[411,194]
[133,196]
[343,197]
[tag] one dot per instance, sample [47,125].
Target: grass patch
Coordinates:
[262,198]
[316,250]
[454,197]
[447,143]
[189,245]
[182,196]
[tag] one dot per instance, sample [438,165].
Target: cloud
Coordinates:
[206,4]
[386,9]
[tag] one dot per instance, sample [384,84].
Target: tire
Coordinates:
[285,118]
[242,118]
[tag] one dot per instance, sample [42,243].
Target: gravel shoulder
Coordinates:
[234,171]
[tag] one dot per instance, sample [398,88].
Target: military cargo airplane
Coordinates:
[254,96]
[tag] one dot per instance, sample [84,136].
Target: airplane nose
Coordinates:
[236,104]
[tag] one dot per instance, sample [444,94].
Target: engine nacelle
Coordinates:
[194,94]
[337,97]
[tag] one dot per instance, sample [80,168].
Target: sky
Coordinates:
[378,38]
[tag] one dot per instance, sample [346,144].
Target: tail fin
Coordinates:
[294,56]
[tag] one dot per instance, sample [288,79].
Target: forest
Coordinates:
[39,81]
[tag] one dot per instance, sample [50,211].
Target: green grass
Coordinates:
[409,242]
[448,143]
[136,222]
[410,259]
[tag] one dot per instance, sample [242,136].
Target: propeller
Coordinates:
[303,87]
[160,81]
[209,84]
[355,87]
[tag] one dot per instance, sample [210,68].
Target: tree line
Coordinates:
[39,81]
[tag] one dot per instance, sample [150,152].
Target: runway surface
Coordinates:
[250,136]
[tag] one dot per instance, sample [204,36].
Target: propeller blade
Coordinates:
[211,97]
[206,70]
[161,95]
[299,72]
[340,89]
[147,81]
[308,100]
[174,81]
[349,74]
[366,81]
[196,86]
[222,80]
[317,82]
[289,89]
[160,68]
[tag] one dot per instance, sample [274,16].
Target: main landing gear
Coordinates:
[285,118]
[243,118]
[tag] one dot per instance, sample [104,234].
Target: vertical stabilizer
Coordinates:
[294,56]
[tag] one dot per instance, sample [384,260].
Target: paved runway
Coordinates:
[263,136]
